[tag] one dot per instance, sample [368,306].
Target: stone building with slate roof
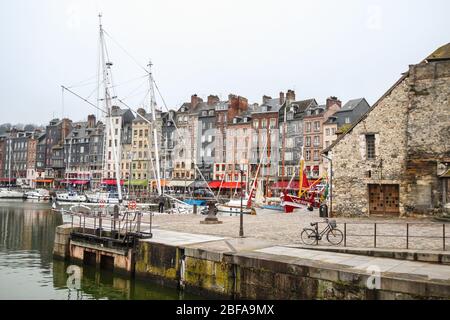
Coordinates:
[395,160]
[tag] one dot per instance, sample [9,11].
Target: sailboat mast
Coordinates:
[284,144]
[155,135]
[9,163]
[107,82]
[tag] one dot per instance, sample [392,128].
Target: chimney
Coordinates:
[212,100]
[195,100]
[333,100]
[290,96]
[281,97]
[265,99]
[91,121]
[141,111]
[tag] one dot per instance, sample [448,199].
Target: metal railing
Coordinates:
[432,235]
[101,225]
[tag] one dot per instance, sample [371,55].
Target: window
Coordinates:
[135,132]
[316,141]
[272,123]
[347,120]
[255,124]
[146,132]
[316,126]
[327,131]
[263,123]
[290,116]
[308,155]
[117,121]
[116,131]
[110,143]
[316,155]
[308,141]
[308,126]
[370,146]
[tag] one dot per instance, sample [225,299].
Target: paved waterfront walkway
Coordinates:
[214,247]
[285,229]
[367,264]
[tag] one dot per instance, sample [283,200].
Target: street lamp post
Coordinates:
[241,225]
[331,183]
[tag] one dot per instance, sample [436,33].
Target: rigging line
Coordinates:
[135,89]
[128,81]
[81,82]
[182,138]
[85,100]
[129,55]
[93,91]
[83,85]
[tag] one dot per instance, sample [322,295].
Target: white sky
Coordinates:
[346,48]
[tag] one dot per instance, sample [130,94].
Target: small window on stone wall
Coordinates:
[370,146]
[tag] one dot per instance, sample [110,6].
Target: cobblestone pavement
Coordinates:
[285,229]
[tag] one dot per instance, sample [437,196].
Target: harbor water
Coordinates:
[28,270]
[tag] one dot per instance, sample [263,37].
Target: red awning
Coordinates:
[111,182]
[231,185]
[214,184]
[83,182]
[44,180]
[7,179]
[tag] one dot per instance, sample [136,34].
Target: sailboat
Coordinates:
[306,194]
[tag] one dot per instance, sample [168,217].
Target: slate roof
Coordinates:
[442,53]
[351,104]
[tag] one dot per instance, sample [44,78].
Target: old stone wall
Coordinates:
[411,124]
[352,171]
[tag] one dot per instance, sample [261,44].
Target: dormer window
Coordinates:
[245,119]
[235,120]
[183,109]
[204,113]
[211,112]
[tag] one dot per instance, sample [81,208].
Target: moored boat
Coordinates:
[38,194]
[11,194]
[70,196]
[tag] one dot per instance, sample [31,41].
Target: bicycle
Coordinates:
[312,236]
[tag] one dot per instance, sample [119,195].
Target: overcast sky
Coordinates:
[346,48]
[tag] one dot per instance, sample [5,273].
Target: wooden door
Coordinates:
[384,199]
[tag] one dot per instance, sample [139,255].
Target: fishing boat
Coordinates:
[309,195]
[70,196]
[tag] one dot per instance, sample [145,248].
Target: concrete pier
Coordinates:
[248,268]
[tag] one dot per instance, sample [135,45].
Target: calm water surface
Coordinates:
[28,271]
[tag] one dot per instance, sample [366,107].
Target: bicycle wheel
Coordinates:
[309,237]
[335,236]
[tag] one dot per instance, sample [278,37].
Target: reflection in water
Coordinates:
[28,271]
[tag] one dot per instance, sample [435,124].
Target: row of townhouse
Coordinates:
[222,142]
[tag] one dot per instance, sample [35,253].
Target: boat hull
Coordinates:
[233,209]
